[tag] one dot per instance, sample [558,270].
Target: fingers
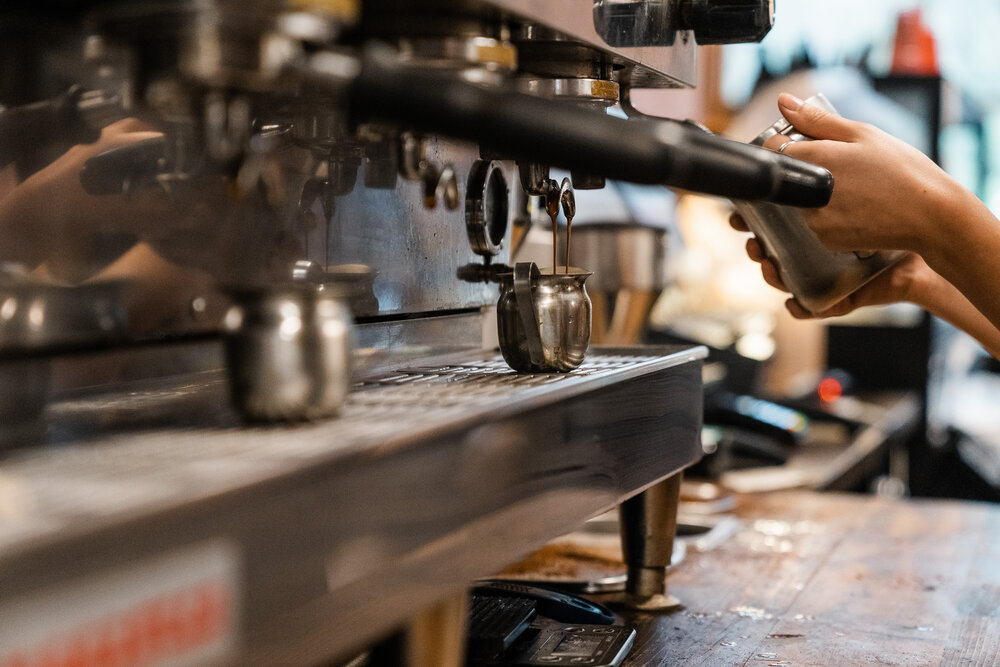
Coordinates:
[769,270]
[756,252]
[738,223]
[126,125]
[780,143]
[111,141]
[815,122]
[124,132]
[754,249]
[797,311]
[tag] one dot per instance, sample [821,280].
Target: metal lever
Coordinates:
[75,117]
[532,129]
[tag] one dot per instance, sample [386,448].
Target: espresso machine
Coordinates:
[249,250]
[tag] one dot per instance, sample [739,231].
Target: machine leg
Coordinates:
[648,526]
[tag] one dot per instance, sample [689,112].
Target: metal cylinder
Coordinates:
[648,524]
[543,320]
[289,353]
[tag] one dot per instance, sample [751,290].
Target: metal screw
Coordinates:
[198,307]
[447,188]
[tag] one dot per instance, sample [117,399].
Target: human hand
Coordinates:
[50,214]
[51,218]
[910,279]
[886,195]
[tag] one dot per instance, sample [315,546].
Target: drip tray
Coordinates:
[322,537]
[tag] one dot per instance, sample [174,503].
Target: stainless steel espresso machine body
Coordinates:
[341,138]
[247,413]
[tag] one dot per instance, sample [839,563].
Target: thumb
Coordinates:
[814,121]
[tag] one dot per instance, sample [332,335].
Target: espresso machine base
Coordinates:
[309,542]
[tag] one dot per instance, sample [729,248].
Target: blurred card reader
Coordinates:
[507,629]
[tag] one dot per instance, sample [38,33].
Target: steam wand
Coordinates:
[533,129]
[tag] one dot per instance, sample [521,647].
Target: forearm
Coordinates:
[965,251]
[50,209]
[25,235]
[947,302]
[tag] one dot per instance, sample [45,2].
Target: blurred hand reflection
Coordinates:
[49,215]
[172,250]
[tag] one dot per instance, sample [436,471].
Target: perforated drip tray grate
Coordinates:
[182,442]
[465,384]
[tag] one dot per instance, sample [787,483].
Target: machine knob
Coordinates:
[727,21]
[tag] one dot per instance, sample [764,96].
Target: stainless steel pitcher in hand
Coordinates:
[817,276]
[543,318]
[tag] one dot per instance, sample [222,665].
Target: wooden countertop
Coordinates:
[832,579]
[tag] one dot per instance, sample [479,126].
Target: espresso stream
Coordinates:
[569,232]
[568,201]
[560,194]
[552,208]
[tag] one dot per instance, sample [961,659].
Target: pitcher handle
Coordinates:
[525,276]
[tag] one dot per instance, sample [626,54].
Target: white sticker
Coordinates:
[178,609]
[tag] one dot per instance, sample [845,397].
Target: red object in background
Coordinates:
[914,51]
[829,390]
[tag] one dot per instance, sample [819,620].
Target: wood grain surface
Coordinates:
[832,579]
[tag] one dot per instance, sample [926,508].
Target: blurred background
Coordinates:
[925,72]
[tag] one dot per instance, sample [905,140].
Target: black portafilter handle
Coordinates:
[523,127]
[125,169]
[25,130]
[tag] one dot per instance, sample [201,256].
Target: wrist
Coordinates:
[944,226]
[931,219]
[913,281]
[929,290]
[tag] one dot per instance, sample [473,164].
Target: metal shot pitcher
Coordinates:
[543,319]
[817,276]
[289,353]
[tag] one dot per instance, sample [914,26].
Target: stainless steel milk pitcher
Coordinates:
[289,352]
[816,276]
[543,318]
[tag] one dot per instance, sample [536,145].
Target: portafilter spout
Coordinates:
[522,127]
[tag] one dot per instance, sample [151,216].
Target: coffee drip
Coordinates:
[568,201]
[560,195]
